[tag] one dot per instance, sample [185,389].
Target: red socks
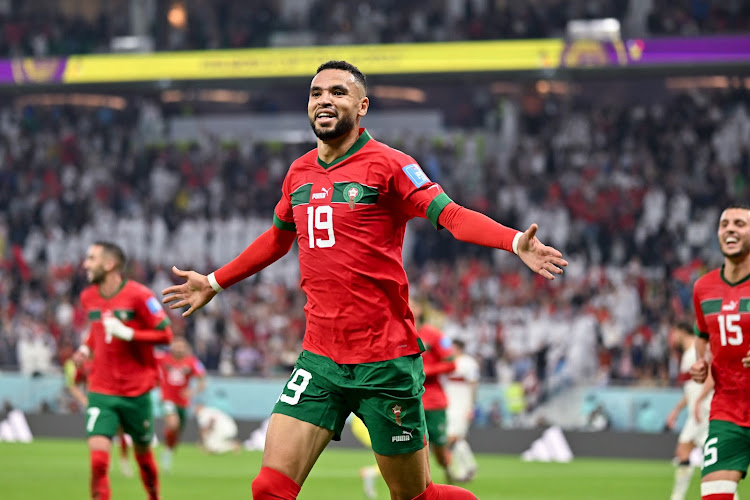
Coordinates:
[447,492]
[271,484]
[100,489]
[149,474]
[719,496]
[170,438]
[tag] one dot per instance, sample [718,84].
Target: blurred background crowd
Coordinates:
[631,195]
[64,28]
[629,186]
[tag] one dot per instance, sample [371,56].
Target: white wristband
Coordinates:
[85,350]
[515,242]
[214,284]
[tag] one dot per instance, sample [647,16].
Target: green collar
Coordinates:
[122,285]
[364,136]
[721,273]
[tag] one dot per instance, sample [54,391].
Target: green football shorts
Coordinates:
[106,413]
[436,427]
[171,408]
[386,395]
[727,447]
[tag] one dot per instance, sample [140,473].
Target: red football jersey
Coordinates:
[350,218]
[175,375]
[123,368]
[438,350]
[722,313]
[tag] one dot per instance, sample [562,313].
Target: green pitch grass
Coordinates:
[59,469]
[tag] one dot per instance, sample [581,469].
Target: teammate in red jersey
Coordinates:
[347,203]
[126,321]
[176,369]
[721,299]
[438,360]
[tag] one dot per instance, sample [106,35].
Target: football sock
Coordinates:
[170,438]
[718,490]
[445,492]
[271,484]
[149,474]
[682,475]
[99,479]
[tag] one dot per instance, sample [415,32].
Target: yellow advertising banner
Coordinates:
[290,62]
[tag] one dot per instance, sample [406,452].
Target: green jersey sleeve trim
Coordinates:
[699,333]
[286,226]
[163,324]
[436,207]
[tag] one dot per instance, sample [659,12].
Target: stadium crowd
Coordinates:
[90,27]
[631,194]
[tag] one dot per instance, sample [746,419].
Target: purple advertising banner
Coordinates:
[31,70]
[657,51]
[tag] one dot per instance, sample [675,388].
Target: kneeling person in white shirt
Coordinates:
[218,431]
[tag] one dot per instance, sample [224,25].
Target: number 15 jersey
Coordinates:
[722,313]
[350,217]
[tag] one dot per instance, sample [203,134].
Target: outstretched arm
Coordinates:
[474,227]
[199,289]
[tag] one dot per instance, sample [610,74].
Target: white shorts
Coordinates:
[457,422]
[694,432]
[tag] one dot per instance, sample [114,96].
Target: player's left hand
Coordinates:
[113,326]
[542,259]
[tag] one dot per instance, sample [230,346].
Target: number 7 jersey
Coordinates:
[350,217]
[722,313]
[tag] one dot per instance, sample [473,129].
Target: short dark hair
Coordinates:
[345,66]
[460,344]
[740,206]
[114,250]
[684,325]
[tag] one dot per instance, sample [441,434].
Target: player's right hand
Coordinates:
[196,292]
[699,371]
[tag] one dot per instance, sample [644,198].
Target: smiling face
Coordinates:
[734,233]
[336,103]
[96,264]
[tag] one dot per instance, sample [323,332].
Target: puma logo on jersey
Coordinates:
[729,307]
[322,195]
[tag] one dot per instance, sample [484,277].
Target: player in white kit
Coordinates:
[697,399]
[217,429]
[461,389]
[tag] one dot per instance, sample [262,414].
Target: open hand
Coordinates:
[196,292]
[542,259]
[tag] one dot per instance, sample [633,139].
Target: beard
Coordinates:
[96,277]
[743,251]
[343,126]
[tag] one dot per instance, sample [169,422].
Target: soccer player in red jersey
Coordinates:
[176,369]
[721,299]
[126,321]
[438,360]
[347,203]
